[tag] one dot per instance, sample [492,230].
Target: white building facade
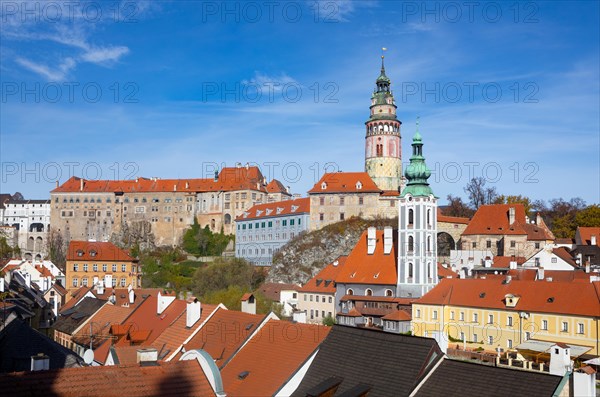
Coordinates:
[31,219]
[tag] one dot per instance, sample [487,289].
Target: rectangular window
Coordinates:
[513,243]
[321,216]
[462,316]
[474,244]
[488,244]
[321,200]
[360,201]
[554,260]
[342,200]
[75,267]
[490,319]
[114,268]
[435,314]
[418,314]
[270,224]
[304,297]
[75,282]
[490,340]
[475,317]
[545,325]
[104,268]
[330,299]
[475,338]
[580,328]
[452,315]
[565,326]
[299,221]
[311,298]
[284,223]
[509,343]
[85,267]
[342,216]
[123,268]
[123,281]
[462,336]
[95,267]
[509,321]
[292,222]
[537,246]
[114,282]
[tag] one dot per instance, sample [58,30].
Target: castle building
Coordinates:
[383,150]
[30,220]
[164,208]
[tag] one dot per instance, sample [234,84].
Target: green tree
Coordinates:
[224,272]
[588,217]
[202,242]
[515,199]
[329,320]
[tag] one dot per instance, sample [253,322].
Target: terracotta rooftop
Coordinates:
[276,187]
[573,298]
[398,315]
[378,268]
[272,291]
[451,219]
[180,378]
[565,255]
[279,208]
[271,358]
[345,182]
[169,341]
[224,333]
[444,272]
[494,220]
[584,235]
[324,281]
[229,179]
[100,325]
[96,251]
[504,261]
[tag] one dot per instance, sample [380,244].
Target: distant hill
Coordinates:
[303,256]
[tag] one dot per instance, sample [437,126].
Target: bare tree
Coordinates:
[56,247]
[478,194]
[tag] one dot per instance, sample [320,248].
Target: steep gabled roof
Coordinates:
[378,268]
[271,358]
[100,325]
[272,291]
[324,281]
[69,320]
[276,186]
[224,333]
[279,208]
[180,378]
[494,220]
[345,182]
[459,378]
[583,235]
[395,363]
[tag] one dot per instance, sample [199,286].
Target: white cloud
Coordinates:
[57,74]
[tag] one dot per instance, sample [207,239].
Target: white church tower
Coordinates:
[417,228]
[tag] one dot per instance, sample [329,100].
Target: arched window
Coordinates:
[349,291]
[429,270]
[428,243]
[411,243]
[411,217]
[379,150]
[389,292]
[227,219]
[369,292]
[429,217]
[410,270]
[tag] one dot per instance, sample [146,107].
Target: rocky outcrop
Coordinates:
[305,255]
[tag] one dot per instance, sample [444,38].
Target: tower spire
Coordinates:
[417,172]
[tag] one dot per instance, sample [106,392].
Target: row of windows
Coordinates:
[324,298]
[513,244]
[242,195]
[341,200]
[255,251]
[125,200]
[369,292]
[267,237]
[104,267]
[509,321]
[315,314]
[84,282]
[268,224]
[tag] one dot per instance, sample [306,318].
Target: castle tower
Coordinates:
[383,157]
[417,228]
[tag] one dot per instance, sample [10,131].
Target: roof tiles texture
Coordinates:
[585,235]
[96,251]
[345,182]
[324,281]
[271,358]
[273,290]
[279,208]
[378,268]
[574,298]
[182,378]
[494,220]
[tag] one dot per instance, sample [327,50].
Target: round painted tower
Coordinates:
[383,155]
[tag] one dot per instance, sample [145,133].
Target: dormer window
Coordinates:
[268,211]
[358,185]
[323,186]
[279,210]
[294,208]
[79,253]
[93,253]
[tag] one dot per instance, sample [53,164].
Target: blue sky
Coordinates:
[508,91]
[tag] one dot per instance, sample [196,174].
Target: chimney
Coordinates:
[549,279]
[560,359]
[538,219]
[81,184]
[100,287]
[192,313]
[163,302]
[146,356]
[249,304]
[247,165]
[175,187]
[371,240]
[511,215]
[579,259]
[41,362]
[216,178]
[540,273]
[488,262]
[387,240]
[131,295]
[336,262]
[57,183]
[508,279]
[512,264]
[187,185]
[588,267]
[593,239]
[27,278]
[238,165]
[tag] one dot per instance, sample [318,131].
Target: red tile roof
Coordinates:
[573,298]
[224,333]
[96,251]
[44,271]
[362,268]
[451,219]
[565,255]
[230,178]
[504,261]
[324,281]
[279,208]
[345,182]
[181,378]
[173,337]
[271,358]
[586,233]
[276,187]
[398,315]
[365,298]
[445,271]
[101,323]
[246,296]
[494,220]
[272,291]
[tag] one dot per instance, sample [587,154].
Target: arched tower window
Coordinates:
[428,243]
[411,217]
[411,243]
[429,217]
[349,291]
[369,292]
[429,270]
[379,150]
[410,270]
